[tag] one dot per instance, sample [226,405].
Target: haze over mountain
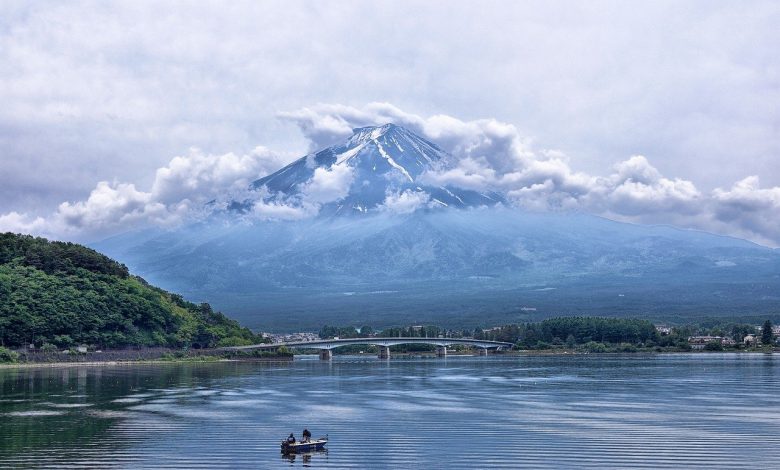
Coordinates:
[384,244]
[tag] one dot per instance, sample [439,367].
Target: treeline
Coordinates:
[345,332]
[572,331]
[56,257]
[422,331]
[63,294]
[593,333]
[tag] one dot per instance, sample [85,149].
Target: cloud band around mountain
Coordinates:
[488,155]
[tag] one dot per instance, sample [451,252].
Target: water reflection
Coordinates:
[673,411]
[305,458]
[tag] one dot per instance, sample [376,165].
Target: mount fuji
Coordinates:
[463,259]
[382,161]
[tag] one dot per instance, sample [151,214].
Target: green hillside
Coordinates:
[67,294]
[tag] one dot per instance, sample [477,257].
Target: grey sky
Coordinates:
[111,91]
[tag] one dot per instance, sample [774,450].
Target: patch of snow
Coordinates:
[392,162]
[419,150]
[341,158]
[452,194]
[397,144]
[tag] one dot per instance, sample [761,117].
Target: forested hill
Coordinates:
[66,294]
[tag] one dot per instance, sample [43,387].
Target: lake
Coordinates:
[599,411]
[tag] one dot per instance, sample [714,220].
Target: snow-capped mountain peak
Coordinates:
[384,160]
[361,135]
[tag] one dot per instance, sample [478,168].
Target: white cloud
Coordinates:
[486,155]
[637,170]
[199,177]
[491,155]
[275,210]
[636,188]
[405,202]
[179,192]
[112,206]
[468,173]
[755,211]
[328,185]
[22,223]
[326,124]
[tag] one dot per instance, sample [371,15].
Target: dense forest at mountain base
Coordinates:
[58,295]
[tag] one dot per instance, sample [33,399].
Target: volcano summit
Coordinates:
[375,164]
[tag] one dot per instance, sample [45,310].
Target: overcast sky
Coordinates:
[112,92]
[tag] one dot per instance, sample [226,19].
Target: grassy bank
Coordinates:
[134,356]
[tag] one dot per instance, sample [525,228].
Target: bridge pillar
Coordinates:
[326,354]
[384,352]
[483,351]
[441,351]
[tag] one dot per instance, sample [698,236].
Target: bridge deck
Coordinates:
[335,343]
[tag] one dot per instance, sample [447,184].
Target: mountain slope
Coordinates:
[461,267]
[66,294]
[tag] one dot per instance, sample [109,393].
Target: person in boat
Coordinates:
[291,439]
[306,435]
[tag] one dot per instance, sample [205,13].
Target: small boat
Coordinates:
[301,446]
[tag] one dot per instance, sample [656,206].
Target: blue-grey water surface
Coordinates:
[649,411]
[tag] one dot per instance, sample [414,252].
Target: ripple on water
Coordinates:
[35,413]
[68,405]
[532,412]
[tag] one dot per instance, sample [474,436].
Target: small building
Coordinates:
[751,340]
[663,329]
[699,342]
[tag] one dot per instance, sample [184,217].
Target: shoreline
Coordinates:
[563,352]
[52,365]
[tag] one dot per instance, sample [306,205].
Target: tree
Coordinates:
[6,355]
[766,332]
[713,346]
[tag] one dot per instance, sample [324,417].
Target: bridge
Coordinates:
[325,346]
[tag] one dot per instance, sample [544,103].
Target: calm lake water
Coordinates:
[676,411]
